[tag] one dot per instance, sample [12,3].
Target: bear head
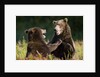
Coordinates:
[60,25]
[35,32]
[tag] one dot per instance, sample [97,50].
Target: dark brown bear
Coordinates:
[66,49]
[36,42]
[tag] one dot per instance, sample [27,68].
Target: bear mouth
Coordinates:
[44,36]
[43,33]
[58,32]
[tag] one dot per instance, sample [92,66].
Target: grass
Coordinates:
[79,50]
[21,49]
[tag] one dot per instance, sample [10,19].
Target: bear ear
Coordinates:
[26,31]
[66,19]
[54,21]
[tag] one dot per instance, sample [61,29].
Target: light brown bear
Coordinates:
[66,50]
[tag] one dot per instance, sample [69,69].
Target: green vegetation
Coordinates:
[26,22]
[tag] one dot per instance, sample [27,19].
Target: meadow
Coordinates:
[45,22]
[21,49]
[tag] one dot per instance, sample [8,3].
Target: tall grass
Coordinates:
[79,50]
[21,49]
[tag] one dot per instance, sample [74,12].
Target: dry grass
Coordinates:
[79,50]
[21,49]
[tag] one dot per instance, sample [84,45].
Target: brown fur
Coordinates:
[54,46]
[67,46]
[36,43]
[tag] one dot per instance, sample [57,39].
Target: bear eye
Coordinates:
[58,24]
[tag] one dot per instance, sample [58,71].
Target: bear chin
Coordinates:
[59,32]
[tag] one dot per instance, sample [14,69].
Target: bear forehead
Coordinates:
[34,29]
[60,21]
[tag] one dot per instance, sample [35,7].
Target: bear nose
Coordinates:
[54,29]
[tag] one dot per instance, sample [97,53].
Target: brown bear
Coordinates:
[54,46]
[66,49]
[36,42]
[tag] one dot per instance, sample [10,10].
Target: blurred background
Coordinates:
[26,22]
